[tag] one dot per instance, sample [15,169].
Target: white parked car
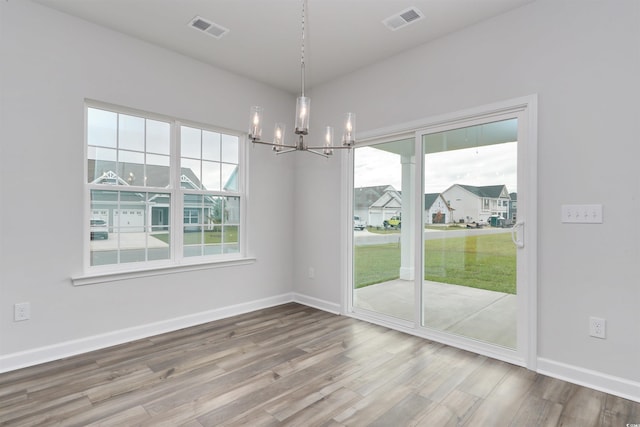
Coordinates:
[99,229]
[358,224]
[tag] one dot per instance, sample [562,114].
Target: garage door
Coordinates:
[130,220]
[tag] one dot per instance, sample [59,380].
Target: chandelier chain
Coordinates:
[302,47]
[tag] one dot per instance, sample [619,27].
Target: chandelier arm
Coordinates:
[290,150]
[326,156]
[273,144]
[337,147]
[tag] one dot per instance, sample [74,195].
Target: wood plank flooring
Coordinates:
[296,366]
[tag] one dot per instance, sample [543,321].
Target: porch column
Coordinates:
[408,226]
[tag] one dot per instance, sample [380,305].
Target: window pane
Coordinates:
[211,145]
[190,142]
[157,171]
[100,161]
[190,174]
[158,137]
[192,231]
[102,201]
[130,217]
[132,255]
[131,133]
[232,210]
[192,250]
[212,229]
[158,234]
[213,241]
[229,177]
[231,240]
[230,149]
[214,246]
[213,210]
[102,127]
[203,233]
[99,225]
[103,247]
[160,204]
[211,176]
[192,211]
[131,167]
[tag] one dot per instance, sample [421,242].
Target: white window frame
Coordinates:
[176,262]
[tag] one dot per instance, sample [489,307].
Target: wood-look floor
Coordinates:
[294,365]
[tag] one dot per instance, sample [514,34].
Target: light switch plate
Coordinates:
[582,214]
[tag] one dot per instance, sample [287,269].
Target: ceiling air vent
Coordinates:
[208,27]
[403,18]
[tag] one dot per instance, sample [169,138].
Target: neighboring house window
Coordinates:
[485,204]
[158,190]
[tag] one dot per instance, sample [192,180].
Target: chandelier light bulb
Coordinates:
[255,119]
[278,136]
[302,115]
[348,137]
[328,141]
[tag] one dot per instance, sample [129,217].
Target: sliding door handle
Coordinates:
[514,235]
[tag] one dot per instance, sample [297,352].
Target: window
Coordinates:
[209,165]
[160,191]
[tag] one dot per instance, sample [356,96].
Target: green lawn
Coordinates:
[376,263]
[381,230]
[210,237]
[484,261]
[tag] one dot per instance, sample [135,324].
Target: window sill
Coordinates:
[114,276]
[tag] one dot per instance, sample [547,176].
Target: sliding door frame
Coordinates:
[525,110]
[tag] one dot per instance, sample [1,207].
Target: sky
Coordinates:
[479,166]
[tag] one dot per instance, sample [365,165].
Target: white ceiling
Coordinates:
[264,38]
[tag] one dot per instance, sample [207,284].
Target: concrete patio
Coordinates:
[475,313]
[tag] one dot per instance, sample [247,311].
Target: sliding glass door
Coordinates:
[438,239]
[470,261]
[384,227]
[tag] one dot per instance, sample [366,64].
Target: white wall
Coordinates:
[582,58]
[50,63]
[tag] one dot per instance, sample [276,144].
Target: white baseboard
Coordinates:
[317,303]
[45,354]
[593,379]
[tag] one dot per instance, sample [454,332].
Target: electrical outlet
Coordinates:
[597,327]
[312,273]
[21,311]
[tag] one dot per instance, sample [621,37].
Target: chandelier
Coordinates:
[303,104]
